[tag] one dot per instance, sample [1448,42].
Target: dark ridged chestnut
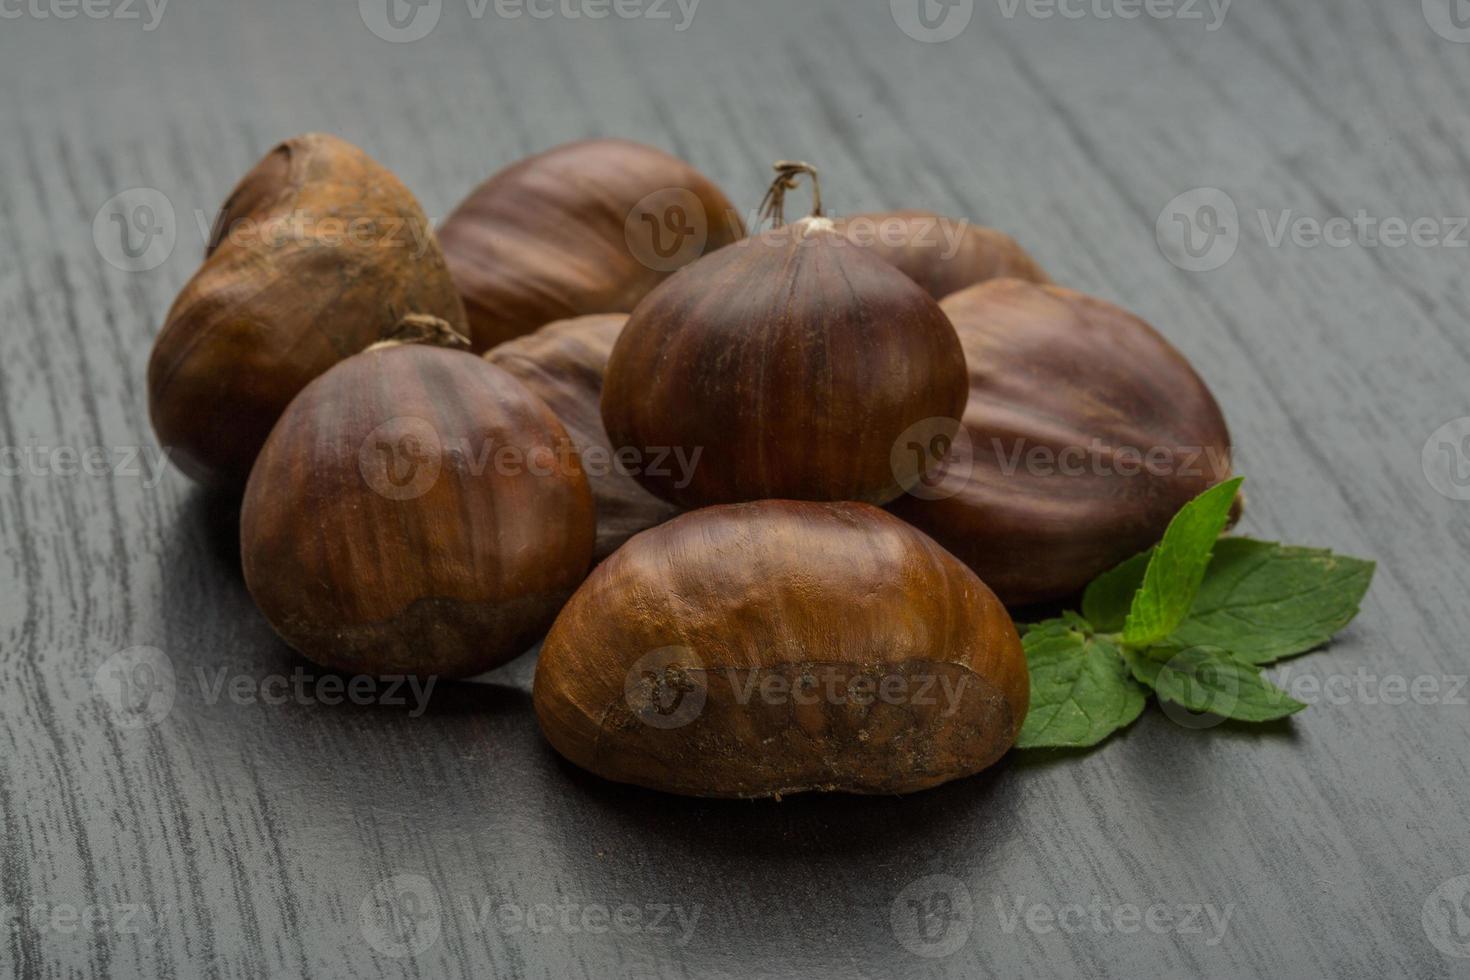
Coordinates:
[317,253]
[1085,433]
[416,511]
[778,647]
[563,363]
[792,362]
[944,255]
[589,227]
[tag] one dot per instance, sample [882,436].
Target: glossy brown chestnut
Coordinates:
[944,255]
[791,362]
[563,363]
[1084,434]
[317,253]
[589,227]
[415,511]
[777,647]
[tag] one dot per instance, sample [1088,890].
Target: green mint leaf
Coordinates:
[1108,599]
[1264,601]
[1209,680]
[1068,621]
[1178,566]
[1080,689]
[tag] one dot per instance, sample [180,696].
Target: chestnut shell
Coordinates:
[270,309]
[655,673]
[382,533]
[559,234]
[1052,370]
[792,362]
[563,363]
[943,255]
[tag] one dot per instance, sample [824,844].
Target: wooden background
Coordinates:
[234,839]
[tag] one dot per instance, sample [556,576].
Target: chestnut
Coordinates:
[415,511]
[944,255]
[775,647]
[318,252]
[563,363]
[790,362]
[589,227]
[1085,433]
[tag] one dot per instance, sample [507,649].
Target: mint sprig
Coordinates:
[1177,568]
[1193,621]
[1081,691]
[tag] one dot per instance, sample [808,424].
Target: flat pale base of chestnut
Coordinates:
[431,637]
[877,748]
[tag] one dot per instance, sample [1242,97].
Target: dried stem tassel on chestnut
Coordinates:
[792,362]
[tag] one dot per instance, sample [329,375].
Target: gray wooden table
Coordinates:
[243,833]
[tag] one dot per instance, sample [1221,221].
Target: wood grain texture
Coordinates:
[247,837]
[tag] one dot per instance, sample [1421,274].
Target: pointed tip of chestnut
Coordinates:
[419,328]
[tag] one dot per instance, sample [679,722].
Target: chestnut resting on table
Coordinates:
[792,361]
[776,647]
[415,511]
[317,253]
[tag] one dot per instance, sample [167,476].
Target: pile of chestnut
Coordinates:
[765,497]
